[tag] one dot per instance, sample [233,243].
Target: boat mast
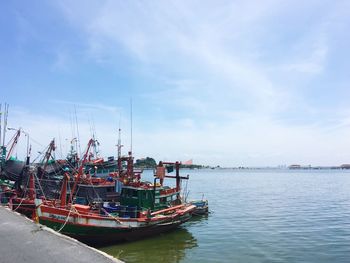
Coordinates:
[80,170]
[177,176]
[47,156]
[2,156]
[3,116]
[130,160]
[31,190]
[29,148]
[131,126]
[64,190]
[73,143]
[119,146]
[6,111]
[14,143]
[93,135]
[0,124]
[78,137]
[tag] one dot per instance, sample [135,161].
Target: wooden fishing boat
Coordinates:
[93,227]
[145,209]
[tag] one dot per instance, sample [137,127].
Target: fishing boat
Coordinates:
[10,167]
[91,226]
[144,209]
[44,179]
[202,207]
[100,167]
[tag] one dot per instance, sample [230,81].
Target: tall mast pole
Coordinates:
[78,137]
[0,123]
[14,142]
[93,136]
[2,147]
[6,111]
[119,146]
[80,170]
[119,142]
[3,117]
[131,125]
[28,148]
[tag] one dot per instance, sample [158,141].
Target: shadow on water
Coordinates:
[168,247]
[198,219]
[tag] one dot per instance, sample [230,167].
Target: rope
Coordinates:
[71,209]
[41,189]
[115,218]
[93,188]
[22,199]
[40,153]
[65,222]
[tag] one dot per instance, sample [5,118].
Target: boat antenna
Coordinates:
[6,112]
[29,148]
[71,123]
[78,137]
[3,117]
[131,125]
[72,131]
[119,141]
[0,122]
[60,141]
[119,147]
[2,147]
[80,169]
[94,136]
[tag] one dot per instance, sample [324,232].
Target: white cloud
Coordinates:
[173,37]
[62,61]
[313,62]
[217,71]
[248,140]
[90,107]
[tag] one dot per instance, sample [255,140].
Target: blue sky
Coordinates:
[232,83]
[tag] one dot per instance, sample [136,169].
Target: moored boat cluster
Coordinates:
[73,198]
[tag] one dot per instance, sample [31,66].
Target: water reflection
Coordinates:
[199,219]
[169,247]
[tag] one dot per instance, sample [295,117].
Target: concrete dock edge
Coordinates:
[22,240]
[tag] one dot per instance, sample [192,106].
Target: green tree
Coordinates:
[147,162]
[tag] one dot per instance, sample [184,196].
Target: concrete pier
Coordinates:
[21,240]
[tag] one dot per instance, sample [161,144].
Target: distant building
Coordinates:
[345,166]
[294,166]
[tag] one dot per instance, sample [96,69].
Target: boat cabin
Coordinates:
[154,198]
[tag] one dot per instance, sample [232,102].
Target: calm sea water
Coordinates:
[257,216]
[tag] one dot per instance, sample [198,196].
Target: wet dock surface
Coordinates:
[21,240]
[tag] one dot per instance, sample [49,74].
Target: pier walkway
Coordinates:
[21,240]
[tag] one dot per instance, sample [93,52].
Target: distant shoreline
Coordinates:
[279,167]
[273,168]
